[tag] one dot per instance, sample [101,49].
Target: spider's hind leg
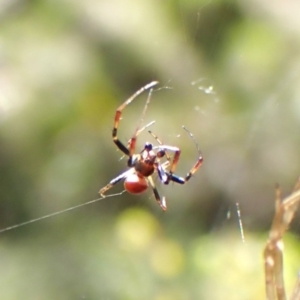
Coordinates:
[114,181]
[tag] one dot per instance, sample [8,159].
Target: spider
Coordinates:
[144,164]
[273,253]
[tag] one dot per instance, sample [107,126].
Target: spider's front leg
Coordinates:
[170,174]
[167,176]
[120,145]
[183,180]
[162,150]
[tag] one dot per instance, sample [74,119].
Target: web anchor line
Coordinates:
[57,213]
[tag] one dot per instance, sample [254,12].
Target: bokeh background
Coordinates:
[228,70]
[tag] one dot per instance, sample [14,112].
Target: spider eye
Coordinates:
[148,146]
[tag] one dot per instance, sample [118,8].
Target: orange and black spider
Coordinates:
[143,165]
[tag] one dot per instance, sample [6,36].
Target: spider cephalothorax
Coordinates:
[143,165]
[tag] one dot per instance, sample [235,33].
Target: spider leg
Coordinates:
[162,174]
[197,165]
[176,178]
[183,180]
[161,201]
[160,142]
[132,142]
[138,132]
[127,151]
[175,158]
[115,181]
[199,161]
[143,128]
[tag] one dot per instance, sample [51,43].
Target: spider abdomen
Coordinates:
[135,184]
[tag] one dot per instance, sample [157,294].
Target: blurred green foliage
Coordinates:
[228,71]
